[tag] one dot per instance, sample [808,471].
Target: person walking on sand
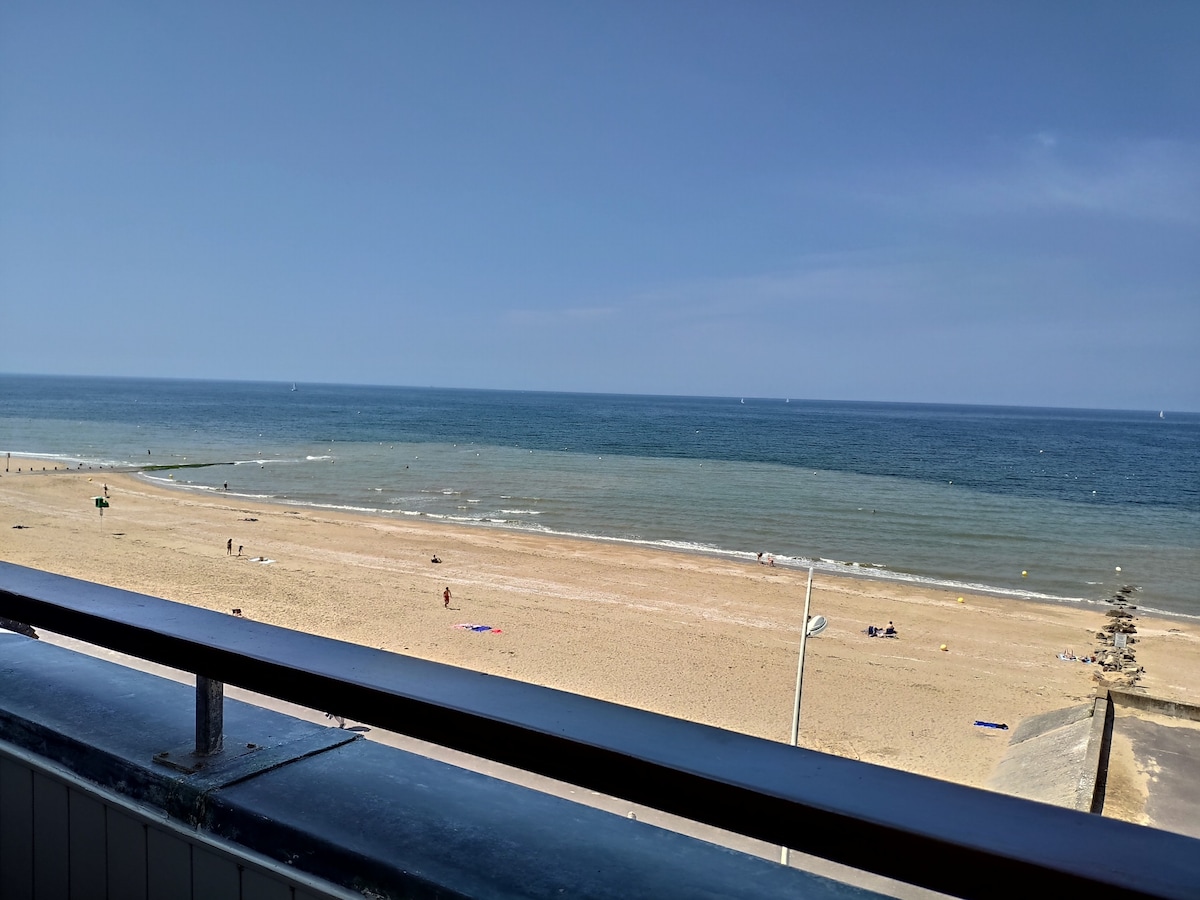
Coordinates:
[446,598]
[229,547]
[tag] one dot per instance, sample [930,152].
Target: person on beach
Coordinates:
[446,598]
[239,549]
[229,547]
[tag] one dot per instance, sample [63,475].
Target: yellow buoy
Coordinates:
[1024,574]
[960,599]
[943,647]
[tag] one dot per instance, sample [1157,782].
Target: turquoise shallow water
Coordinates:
[961,497]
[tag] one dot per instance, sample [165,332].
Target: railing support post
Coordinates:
[210,715]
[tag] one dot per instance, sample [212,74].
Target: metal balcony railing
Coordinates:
[945,837]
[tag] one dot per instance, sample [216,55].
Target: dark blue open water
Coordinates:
[957,496]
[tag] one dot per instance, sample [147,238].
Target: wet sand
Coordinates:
[702,638]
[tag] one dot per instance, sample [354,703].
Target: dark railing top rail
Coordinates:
[942,836]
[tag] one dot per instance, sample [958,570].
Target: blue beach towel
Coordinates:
[468,626]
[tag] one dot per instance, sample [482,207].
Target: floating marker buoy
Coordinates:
[1118,568]
[1024,574]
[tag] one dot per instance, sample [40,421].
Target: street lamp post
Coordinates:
[783,856]
[800,665]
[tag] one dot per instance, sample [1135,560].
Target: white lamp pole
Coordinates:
[783,856]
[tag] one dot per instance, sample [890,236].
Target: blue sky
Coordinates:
[943,202]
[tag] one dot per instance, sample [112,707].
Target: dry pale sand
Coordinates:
[701,638]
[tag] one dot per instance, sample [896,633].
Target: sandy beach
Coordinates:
[701,638]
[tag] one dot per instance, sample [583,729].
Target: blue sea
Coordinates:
[958,497]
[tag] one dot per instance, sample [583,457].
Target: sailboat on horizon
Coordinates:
[293,385]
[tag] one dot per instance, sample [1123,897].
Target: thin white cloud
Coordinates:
[551,315]
[873,291]
[1149,180]
[867,283]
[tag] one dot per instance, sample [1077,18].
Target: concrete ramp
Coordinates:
[1047,757]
